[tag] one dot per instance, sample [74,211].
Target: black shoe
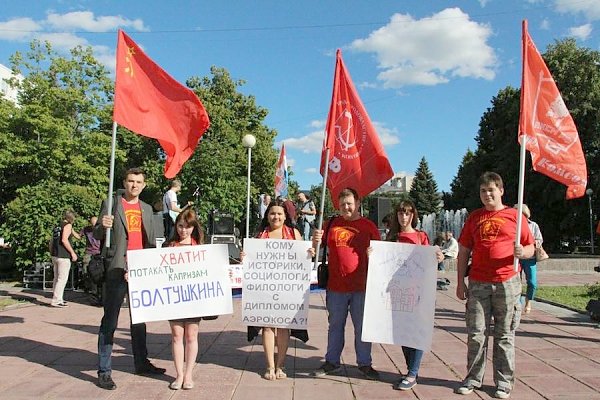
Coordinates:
[369,372]
[106,382]
[149,369]
[326,369]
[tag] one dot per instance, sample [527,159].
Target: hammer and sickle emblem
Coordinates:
[343,129]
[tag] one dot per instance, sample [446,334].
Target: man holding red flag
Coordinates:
[149,102]
[547,125]
[353,155]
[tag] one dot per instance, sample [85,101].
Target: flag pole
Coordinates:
[520,196]
[322,205]
[522,153]
[111,179]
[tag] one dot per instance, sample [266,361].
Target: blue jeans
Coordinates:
[338,305]
[114,290]
[413,359]
[530,269]
[306,229]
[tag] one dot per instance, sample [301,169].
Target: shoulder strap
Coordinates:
[325,236]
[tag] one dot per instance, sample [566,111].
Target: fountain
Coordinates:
[445,220]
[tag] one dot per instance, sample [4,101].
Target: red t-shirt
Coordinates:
[133,216]
[348,242]
[491,236]
[416,237]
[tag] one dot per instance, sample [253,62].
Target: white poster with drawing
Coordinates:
[400,299]
[276,283]
[179,282]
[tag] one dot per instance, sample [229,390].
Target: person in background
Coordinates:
[171,207]
[62,254]
[306,215]
[290,209]
[529,265]
[494,289]
[265,200]
[276,224]
[92,248]
[187,233]
[131,225]
[449,249]
[348,238]
[402,230]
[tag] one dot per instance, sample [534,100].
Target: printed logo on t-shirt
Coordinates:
[343,235]
[134,220]
[489,227]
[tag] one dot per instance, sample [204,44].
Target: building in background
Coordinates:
[6,90]
[400,183]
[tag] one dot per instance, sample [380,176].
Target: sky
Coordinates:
[425,70]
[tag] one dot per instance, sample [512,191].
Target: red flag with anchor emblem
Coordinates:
[356,156]
[547,125]
[149,102]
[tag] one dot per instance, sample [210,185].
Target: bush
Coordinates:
[31,216]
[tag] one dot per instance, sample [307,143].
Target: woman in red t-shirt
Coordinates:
[402,230]
[187,233]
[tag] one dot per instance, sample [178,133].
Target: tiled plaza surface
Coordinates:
[50,353]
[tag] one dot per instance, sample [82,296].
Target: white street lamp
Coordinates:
[589,192]
[248,141]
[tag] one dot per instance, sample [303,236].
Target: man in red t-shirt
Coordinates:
[494,288]
[131,226]
[348,238]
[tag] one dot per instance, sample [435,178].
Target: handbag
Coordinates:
[540,254]
[323,268]
[97,268]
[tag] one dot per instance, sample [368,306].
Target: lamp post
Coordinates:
[248,141]
[589,192]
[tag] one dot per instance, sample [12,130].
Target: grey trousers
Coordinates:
[500,301]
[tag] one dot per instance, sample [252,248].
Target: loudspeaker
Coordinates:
[218,239]
[159,227]
[230,241]
[379,207]
[222,224]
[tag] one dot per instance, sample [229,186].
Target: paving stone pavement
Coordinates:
[50,353]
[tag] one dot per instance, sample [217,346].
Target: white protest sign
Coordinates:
[276,283]
[179,282]
[400,298]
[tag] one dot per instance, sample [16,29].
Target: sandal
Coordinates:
[280,373]
[270,374]
[175,385]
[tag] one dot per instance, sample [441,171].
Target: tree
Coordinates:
[52,145]
[219,165]
[577,76]
[55,147]
[424,191]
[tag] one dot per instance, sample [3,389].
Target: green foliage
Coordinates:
[424,190]
[31,216]
[315,196]
[594,290]
[219,165]
[54,147]
[575,297]
[577,76]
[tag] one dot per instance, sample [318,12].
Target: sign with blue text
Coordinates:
[179,282]
[400,298]
[276,283]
